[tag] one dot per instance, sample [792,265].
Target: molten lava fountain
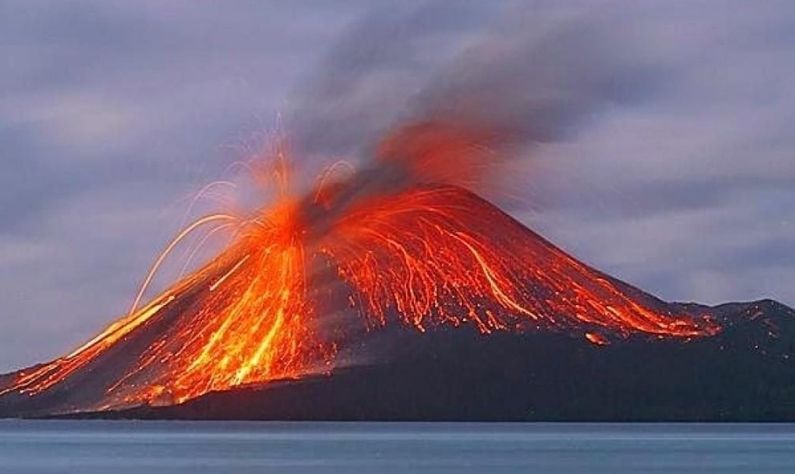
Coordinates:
[400,242]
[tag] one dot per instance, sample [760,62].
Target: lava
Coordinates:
[433,257]
[403,242]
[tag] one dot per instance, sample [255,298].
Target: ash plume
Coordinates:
[397,83]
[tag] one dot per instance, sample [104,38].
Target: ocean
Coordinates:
[276,447]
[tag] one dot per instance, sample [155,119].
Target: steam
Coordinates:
[396,89]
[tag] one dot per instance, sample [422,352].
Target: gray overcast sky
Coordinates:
[113,113]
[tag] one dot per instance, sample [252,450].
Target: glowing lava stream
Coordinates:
[426,255]
[433,257]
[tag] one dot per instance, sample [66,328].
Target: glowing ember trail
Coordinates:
[438,256]
[403,246]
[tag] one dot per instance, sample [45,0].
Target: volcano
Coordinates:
[418,304]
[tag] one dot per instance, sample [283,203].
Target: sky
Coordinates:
[664,153]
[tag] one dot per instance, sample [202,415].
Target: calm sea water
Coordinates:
[204,447]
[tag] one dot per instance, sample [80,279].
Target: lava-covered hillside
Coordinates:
[329,287]
[429,303]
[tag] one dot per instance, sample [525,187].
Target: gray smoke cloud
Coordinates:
[369,73]
[522,79]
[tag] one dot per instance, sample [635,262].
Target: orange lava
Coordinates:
[245,325]
[434,256]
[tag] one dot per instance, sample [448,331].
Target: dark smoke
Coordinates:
[398,84]
[367,77]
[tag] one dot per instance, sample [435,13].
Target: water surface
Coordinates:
[269,447]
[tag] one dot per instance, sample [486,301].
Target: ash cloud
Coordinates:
[521,80]
[368,74]
[538,85]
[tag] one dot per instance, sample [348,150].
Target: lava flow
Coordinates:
[398,243]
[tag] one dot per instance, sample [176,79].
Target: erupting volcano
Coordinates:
[390,289]
[306,284]
[398,244]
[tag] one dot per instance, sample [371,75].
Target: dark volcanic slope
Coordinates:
[745,373]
